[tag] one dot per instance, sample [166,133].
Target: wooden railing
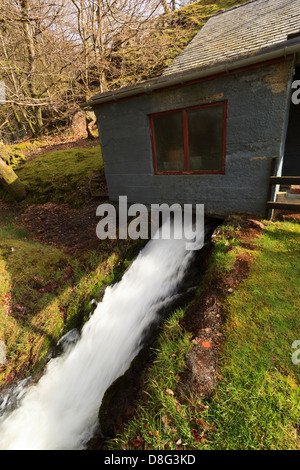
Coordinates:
[288,180]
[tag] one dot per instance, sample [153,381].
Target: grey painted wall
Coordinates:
[258,100]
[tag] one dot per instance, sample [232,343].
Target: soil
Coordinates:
[62,226]
[60,143]
[205,316]
[59,225]
[288,216]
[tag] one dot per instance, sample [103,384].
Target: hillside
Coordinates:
[116,50]
[152,50]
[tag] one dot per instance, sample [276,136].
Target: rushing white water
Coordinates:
[60,411]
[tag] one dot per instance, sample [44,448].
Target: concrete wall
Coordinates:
[258,102]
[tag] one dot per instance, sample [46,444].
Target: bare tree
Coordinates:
[173,5]
[165,6]
[103,27]
[31,58]
[55,54]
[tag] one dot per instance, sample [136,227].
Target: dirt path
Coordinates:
[67,228]
[60,143]
[60,225]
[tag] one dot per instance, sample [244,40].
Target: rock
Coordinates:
[118,402]
[67,340]
[200,374]
[10,398]
[81,121]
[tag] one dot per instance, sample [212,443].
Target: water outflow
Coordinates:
[60,411]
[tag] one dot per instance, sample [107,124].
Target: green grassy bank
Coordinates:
[256,404]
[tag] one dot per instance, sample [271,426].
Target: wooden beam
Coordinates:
[295,180]
[284,206]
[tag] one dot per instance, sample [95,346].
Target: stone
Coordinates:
[67,340]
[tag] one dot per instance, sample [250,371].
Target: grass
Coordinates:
[257,403]
[225,251]
[62,176]
[162,420]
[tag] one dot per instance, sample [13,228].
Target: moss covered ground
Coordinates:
[65,176]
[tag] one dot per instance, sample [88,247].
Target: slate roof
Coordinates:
[240,31]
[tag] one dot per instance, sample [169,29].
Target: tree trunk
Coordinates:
[11,182]
[88,130]
[165,6]
[37,123]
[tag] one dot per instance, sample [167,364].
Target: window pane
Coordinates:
[205,135]
[168,131]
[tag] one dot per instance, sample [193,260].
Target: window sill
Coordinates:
[216,172]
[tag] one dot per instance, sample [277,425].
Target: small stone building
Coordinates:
[213,127]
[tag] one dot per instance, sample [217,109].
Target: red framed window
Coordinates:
[190,140]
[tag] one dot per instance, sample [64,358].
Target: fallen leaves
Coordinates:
[199,437]
[50,287]
[200,433]
[137,443]
[172,436]
[19,310]
[7,303]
